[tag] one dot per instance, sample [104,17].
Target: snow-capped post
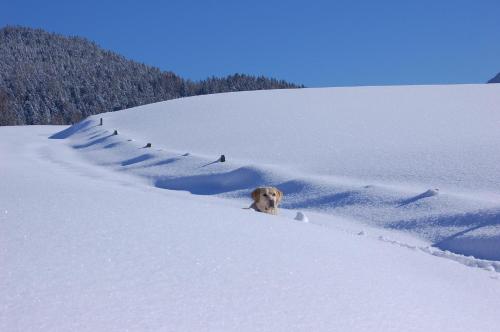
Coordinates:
[115,132]
[100,122]
[148,145]
[222,158]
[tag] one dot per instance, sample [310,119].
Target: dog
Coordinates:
[266,199]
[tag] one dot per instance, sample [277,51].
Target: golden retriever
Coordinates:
[266,199]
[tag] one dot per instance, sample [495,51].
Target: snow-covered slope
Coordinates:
[420,159]
[87,248]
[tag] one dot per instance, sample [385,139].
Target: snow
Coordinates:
[442,135]
[301,217]
[419,159]
[100,233]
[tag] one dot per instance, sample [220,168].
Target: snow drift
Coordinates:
[419,159]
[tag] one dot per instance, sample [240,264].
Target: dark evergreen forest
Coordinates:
[47,78]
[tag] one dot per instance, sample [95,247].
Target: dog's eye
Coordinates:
[265,195]
[274,194]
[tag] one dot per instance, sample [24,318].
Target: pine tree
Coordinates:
[47,78]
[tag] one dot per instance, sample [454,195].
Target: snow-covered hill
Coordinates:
[93,239]
[421,159]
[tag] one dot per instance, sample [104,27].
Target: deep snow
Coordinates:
[90,239]
[85,248]
[420,159]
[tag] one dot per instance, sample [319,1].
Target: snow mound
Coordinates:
[301,217]
[212,184]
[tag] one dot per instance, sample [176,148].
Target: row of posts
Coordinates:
[222,158]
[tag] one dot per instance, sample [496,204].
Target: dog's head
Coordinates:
[267,199]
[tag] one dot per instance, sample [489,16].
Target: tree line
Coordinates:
[47,78]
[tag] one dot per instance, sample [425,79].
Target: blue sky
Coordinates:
[317,43]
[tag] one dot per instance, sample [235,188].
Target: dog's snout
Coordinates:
[272,203]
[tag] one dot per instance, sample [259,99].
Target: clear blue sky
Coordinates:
[317,43]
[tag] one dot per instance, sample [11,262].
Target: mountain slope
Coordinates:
[495,79]
[47,78]
[419,159]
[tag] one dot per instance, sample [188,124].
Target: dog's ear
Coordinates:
[279,195]
[256,194]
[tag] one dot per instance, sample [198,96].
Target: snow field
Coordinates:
[421,160]
[84,248]
[100,233]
